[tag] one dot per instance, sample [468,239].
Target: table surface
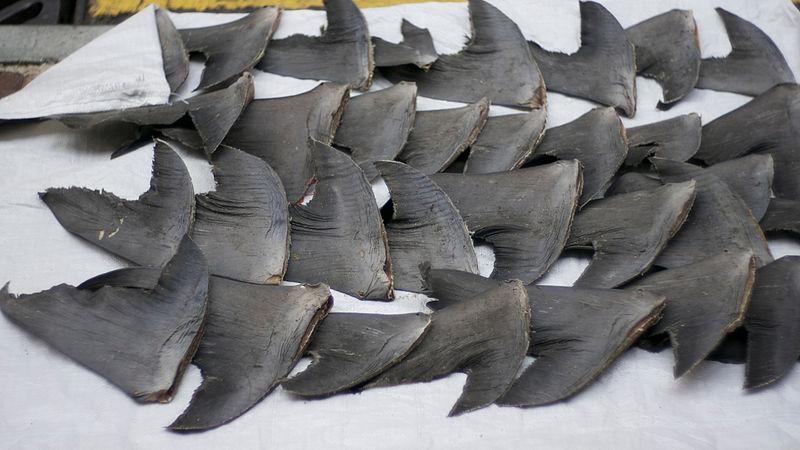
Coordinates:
[48,401]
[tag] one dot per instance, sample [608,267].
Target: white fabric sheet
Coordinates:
[122,68]
[49,402]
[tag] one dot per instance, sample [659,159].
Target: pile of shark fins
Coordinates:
[674,213]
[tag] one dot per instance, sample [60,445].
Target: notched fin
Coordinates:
[146,231]
[416,48]
[603,69]
[343,53]
[495,64]
[677,139]
[754,65]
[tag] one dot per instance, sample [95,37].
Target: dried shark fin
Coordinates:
[349,349]
[754,65]
[338,237]
[277,131]
[720,221]
[749,177]
[231,48]
[524,214]
[139,340]
[343,53]
[705,301]
[176,59]
[459,340]
[495,64]
[243,226]
[770,123]
[632,182]
[603,69]
[628,231]
[425,229]
[416,48]
[506,142]
[576,333]
[782,215]
[375,125]
[597,140]
[214,114]
[772,322]
[440,136]
[668,51]
[146,231]
[254,336]
[677,139]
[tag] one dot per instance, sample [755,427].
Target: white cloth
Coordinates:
[121,68]
[50,402]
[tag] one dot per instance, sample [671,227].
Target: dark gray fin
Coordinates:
[632,182]
[277,131]
[770,123]
[628,231]
[782,215]
[732,349]
[486,337]
[176,59]
[143,115]
[705,301]
[231,48]
[440,136]
[139,277]
[575,333]
[754,65]
[139,340]
[425,229]
[772,322]
[243,226]
[146,231]
[506,142]
[185,136]
[597,140]
[214,114]
[495,64]
[603,70]
[416,48]
[677,139]
[343,53]
[749,177]
[375,125]
[524,214]
[254,336]
[350,349]
[338,237]
[668,51]
[720,220]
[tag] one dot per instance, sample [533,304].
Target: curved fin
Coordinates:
[603,69]
[146,231]
[176,60]
[338,237]
[141,340]
[485,337]
[349,349]
[416,48]
[525,214]
[243,226]
[425,229]
[705,301]
[668,51]
[343,53]
[506,142]
[677,139]
[495,64]
[628,231]
[440,136]
[754,65]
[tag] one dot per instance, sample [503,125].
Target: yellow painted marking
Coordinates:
[101,8]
